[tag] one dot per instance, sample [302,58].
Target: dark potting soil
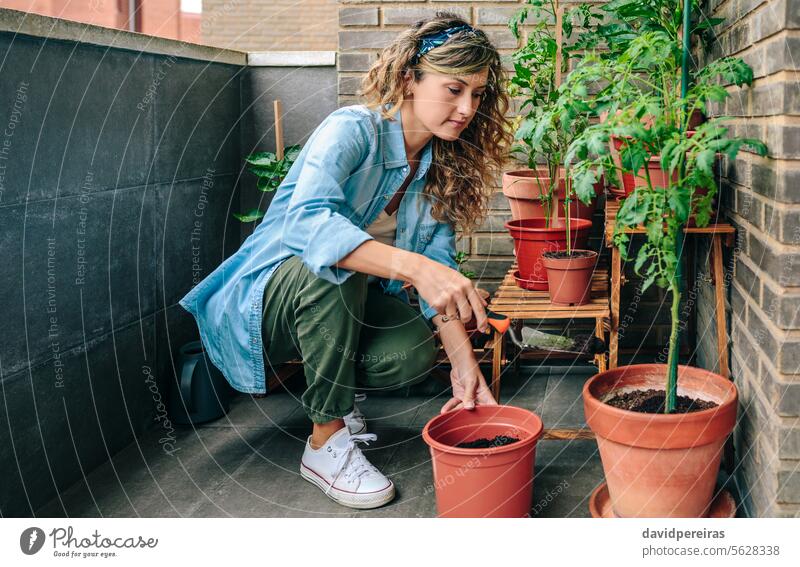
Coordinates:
[653,401]
[483,443]
[564,255]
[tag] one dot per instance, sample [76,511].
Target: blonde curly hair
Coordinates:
[462,171]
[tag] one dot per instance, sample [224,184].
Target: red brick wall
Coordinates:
[161,18]
[270,25]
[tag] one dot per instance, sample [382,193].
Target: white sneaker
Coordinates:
[342,471]
[355,420]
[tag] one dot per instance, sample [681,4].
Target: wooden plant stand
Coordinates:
[521,304]
[719,233]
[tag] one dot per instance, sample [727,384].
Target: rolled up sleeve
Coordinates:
[314,230]
[442,248]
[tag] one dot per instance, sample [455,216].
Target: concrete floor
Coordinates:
[246,464]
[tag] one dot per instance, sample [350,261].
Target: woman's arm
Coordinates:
[445,289]
[449,292]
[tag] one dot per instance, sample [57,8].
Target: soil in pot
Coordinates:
[654,401]
[574,255]
[483,443]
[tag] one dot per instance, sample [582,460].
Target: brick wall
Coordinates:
[761,197]
[270,25]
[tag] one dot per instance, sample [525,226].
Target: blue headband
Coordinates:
[435,40]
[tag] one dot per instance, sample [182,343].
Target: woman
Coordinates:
[369,205]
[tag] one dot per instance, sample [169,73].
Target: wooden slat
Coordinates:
[559,434]
[513,301]
[544,314]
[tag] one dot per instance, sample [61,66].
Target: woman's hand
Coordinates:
[449,292]
[469,389]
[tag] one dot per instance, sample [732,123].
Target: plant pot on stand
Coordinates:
[525,189]
[569,276]
[535,236]
[630,181]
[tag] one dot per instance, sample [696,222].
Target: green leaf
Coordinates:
[705,161]
[634,209]
[253,215]
[679,201]
[583,185]
[641,258]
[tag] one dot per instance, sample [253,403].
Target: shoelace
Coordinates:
[361,464]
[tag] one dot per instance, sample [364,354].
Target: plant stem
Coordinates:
[567,199]
[672,364]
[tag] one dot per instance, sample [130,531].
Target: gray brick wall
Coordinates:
[761,198]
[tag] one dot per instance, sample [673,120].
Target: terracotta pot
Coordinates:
[532,238]
[569,280]
[496,482]
[658,177]
[524,188]
[659,465]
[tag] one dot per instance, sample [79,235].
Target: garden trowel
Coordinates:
[529,338]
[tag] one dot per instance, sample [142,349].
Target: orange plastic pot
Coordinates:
[569,280]
[532,238]
[660,465]
[496,482]
[524,188]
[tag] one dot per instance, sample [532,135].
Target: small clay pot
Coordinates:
[630,181]
[569,278]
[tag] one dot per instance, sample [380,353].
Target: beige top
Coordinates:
[383,229]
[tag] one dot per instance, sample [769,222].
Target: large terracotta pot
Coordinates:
[532,237]
[569,280]
[495,482]
[524,188]
[659,465]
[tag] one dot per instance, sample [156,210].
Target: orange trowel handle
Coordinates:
[499,322]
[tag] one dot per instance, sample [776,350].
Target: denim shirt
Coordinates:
[345,175]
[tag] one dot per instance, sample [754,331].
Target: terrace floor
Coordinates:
[246,464]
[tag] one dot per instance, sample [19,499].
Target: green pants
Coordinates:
[349,336]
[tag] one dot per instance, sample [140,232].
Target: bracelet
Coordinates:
[445,318]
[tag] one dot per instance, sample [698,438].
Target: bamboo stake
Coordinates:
[559,40]
[559,63]
[278,129]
